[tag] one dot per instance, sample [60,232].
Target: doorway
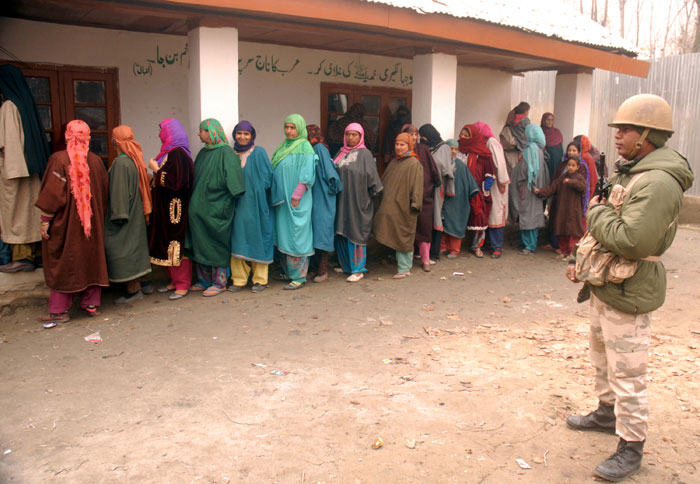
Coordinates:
[380,105]
[64,93]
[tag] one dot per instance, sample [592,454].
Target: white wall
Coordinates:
[274,81]
[482,95]
[267,95]
[146,99]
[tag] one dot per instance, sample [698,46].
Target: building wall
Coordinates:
[274,80]
[149,91]
[482,95]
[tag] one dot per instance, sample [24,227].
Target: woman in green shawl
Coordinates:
[218,180]
[293,176]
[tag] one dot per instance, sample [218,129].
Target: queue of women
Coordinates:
[234,210]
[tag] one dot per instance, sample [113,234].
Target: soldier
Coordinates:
[620,314]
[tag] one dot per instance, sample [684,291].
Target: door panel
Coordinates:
[380,104]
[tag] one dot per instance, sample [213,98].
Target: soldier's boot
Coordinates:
[601,419]
[626,461]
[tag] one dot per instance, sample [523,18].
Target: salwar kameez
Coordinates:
[352,257]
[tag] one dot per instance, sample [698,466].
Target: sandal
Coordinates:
[401,275]
[55,318]
[92,311]
[294,285]
[212,291]
[496,253]
[355,277]
[478,253]
[197,287]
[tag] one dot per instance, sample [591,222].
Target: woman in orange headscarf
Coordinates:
[396,219]
[126,241]
[73,200]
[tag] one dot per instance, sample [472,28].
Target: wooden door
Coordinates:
[65,93]
[380,105]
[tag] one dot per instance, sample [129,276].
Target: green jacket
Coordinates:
[646,227]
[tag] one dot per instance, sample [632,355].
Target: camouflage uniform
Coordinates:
[619,346]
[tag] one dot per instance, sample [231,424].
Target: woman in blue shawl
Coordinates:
[529,174]
[326,188]
[293,167]
[251,238]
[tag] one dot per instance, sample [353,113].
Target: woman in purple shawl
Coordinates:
[553,149]
[173,175]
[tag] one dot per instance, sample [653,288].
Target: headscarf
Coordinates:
[295,145]
[315,135]
[408,139]
[552,135]
[431,135]
[476,144]
[243,126]
[485,130]
[518,124]
[124,138]
[452,143]
[531,154]
[409,128]
[347,149]
[77,146]
[36,150]
[172,135]
[216,133]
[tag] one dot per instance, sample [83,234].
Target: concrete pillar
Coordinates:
[213,78]
[435,92]
[572,104]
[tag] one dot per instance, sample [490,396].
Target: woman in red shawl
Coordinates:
[478,158]
[431,179]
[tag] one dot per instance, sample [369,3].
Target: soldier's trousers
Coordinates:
[620,352]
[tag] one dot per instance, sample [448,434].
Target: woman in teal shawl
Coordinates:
[251,240]
[218,180]
[529,174]
[293,164]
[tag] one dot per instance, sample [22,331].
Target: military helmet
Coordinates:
[645,110]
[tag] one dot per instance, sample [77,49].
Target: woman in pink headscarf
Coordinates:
[499,191]
[73,201]
[357,170]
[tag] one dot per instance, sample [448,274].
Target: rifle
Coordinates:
[602,188]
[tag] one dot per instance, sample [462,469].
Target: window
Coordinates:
[64,93]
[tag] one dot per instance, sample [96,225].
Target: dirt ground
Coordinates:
[459,375]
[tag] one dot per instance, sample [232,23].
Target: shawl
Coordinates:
[36,150]
[216,133]
[518,123]
[243,126]
[485,130]
[77,146]
[431,135]
[172,135]
[535,143]
[292,145]
[552,135]
[347,149]
[475,144]
[124,138]
[589,160]
[315,135]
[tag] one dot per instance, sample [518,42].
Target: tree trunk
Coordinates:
[605,20]
[594,10]
[622,17]
[696,45]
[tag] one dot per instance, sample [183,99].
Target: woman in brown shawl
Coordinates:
[431,180]
[73,201]
[395,221]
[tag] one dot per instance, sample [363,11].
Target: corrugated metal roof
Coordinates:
[545,17]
